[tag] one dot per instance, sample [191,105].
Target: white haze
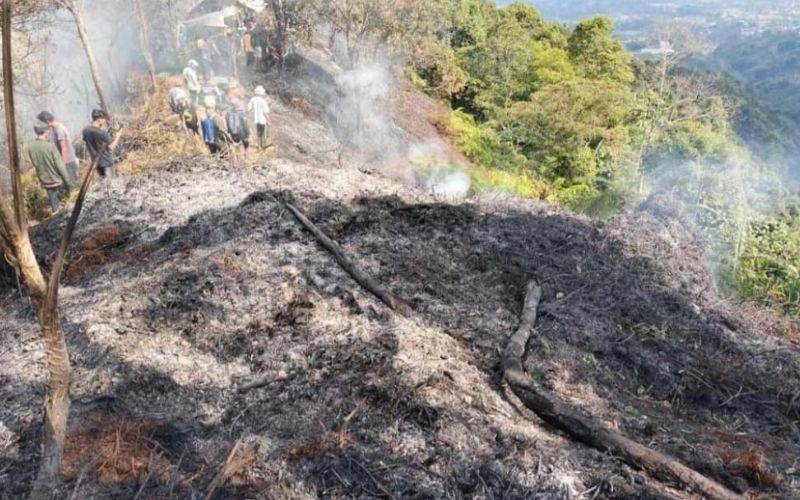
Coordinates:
[70,92]
[360,111]
[432,172]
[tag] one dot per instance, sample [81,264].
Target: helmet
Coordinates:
[193,64]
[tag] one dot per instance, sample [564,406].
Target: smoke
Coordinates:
[64,85]
[433,173]
[360,111]
[721,200]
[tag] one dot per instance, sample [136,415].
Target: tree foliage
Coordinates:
[597,54]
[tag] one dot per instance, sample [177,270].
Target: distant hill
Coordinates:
[769,63]
[579,9]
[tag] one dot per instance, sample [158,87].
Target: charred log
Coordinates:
[585,428]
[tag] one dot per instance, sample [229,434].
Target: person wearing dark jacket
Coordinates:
[98,139]
[50,168]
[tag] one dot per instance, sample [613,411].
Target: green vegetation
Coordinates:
[769,267]
[569,116]
[769,63]
[37,204]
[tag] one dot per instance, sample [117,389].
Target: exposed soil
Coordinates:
[191,281]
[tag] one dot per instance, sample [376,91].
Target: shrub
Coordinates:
[485,179]
[479,142]
[36,202]
[769,267]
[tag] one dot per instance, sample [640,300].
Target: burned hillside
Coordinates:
[219,350]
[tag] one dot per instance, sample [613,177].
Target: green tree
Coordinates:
[573,132]
[551,65]
[598,55]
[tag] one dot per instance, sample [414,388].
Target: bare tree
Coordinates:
[15,243]
[74,9]
[677,42]
[144,42]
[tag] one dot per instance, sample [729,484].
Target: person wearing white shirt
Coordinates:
[192,82]
[260,108]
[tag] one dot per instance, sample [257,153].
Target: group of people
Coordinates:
[254,42]
[225,123]
[52,153]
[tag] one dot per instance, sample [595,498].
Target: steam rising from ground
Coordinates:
[360,111]
[721,200]
[432,172]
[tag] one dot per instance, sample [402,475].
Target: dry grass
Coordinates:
[94,251]
[328,441]
[153,133]
[239,461]
[121,449]
[137,254]
[231,268]
[752,466]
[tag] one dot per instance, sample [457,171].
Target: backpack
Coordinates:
[209,130]
[237,125]
[190,118]
[208,97]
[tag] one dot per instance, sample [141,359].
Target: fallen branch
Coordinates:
[362,278]
[585,428]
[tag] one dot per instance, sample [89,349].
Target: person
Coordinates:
[63,142]
[191,119]
[223,85]
[237,95]
[192,82]
[260,108]
[209,96]
[241,31]
[97,139]
[207,52]
[177,99]
[49,165]
[249,50]
[260,42]
[185,109]
[215,135]
[238,128]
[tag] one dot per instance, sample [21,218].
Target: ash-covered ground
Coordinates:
[191,282]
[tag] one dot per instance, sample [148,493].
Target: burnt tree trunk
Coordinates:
[94,68]
[585,428]
[368,282]
[144,43]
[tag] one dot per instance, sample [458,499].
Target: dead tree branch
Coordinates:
[80,23]
[362,278]
[144,43]
[585,428]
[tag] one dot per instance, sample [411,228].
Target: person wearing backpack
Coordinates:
[238,128]
[215,134]
[209,96]
[178,99]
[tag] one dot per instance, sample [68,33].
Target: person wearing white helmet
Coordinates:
[192,82]
[260,108]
